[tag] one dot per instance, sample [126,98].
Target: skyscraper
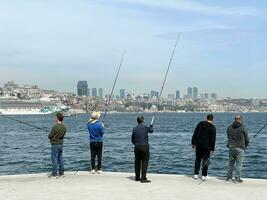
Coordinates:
[88,92]
[100,92]
[82,88]
[195,92]
[177,94]
[94,92]
[189,92]
[213,96]
[154,94]
[122,93]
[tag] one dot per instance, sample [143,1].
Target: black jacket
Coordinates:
[204,136]
[237,136]
[140,134]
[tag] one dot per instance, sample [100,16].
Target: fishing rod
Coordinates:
[259,131]
[28,124]
[166,75]
[113,87]
[25,123]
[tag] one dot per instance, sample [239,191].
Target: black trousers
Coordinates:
[141,161]
[204,155]
[96,150]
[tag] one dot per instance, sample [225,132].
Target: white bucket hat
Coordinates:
[95,116]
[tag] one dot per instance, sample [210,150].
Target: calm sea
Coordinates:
[24,149]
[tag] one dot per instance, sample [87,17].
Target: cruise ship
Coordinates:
[30,107]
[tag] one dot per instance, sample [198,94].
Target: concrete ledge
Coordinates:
[121,186]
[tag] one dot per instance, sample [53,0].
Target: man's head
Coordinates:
[239,119]
[59,117]
[95,115]
[140,120]
[210,118]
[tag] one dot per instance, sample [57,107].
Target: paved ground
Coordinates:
[121,186]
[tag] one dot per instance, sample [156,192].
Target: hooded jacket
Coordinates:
[237,136]
[204,136]
[96,131]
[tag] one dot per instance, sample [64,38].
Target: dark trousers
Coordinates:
[202,154]
[141,161]
[96,150]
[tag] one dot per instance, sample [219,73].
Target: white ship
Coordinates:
[29,107]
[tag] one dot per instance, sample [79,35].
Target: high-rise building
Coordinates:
[100,92]
[213,96]
[94,92]
[82,88]
[189,92]
[206,96]
[88,92]
[195,92]
[177,94]
[154,94]
[122,93]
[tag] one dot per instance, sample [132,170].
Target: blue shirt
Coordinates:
[140,134]
[96,131]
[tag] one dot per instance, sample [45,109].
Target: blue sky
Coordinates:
[55,43]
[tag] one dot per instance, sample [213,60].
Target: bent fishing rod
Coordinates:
[113,87]
[166,75]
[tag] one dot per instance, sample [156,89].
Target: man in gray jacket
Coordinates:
[238,141]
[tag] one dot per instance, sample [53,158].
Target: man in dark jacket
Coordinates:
[203,141]
[141,150]
[238,141]
[56,137]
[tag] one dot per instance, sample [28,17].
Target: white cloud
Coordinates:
[195,7]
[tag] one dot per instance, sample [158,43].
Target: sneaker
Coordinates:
[92,171]
[53,176]
[137,179]
[229,178]
[99,171]
[195,176]
[61,175]
[145,181]
[205,178]
[239,180]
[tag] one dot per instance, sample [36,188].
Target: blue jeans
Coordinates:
[236,157]
[57,158]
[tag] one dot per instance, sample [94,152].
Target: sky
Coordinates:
[55,43]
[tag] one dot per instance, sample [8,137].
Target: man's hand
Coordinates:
[194,146]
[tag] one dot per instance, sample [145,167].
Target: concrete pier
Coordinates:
[121,186]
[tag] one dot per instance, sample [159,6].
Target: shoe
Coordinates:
[229,178]
[205,178]
[92,171]
[53,176]
[99,171]
[137,179]
[239,180]
[145,181]
[61,175]
[195,176]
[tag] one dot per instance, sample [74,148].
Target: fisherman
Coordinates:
[203,142]
[96,132]
[238,141]
[56,137]
[141,150]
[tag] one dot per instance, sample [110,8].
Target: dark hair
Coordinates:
[140,119]
[60,116]
[210,117]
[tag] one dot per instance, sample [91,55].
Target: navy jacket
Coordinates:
[96,131]
[140,134]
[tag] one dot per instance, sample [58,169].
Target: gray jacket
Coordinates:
[237,136]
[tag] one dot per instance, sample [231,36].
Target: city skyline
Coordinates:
[222,48]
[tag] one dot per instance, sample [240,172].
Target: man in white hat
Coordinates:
[96,132]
